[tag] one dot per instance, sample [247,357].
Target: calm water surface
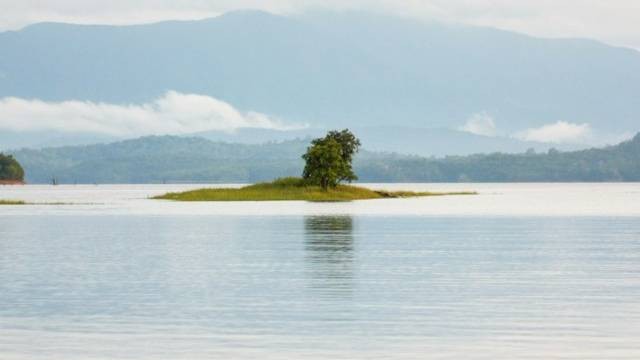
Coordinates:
[519,271]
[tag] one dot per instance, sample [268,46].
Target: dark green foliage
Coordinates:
[158,159]
[328,160]
[349,143]
[323,164]
[614,163]
[176,159]
[10,169]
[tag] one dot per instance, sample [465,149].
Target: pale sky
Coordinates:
[615,22]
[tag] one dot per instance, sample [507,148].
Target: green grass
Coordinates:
[293,189]
[12,202]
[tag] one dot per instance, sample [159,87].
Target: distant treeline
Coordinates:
[178,159]
[615,163]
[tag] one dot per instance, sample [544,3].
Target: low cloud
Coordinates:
[480,124]
[559,132]
[174,113]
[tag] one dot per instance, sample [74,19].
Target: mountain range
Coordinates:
[334,70]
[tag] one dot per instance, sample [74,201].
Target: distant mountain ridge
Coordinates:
[403,140]
[332,70]
[179,159]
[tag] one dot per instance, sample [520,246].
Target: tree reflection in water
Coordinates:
[329,245]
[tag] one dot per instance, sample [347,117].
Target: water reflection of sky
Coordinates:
[271,287]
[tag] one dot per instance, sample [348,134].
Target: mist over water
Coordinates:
[500,199]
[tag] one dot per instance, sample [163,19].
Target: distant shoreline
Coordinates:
[12,182]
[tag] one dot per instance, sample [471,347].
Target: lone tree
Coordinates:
[328,159]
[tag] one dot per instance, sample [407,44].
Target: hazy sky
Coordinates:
[612,21]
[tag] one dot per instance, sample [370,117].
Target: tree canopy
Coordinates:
[329,159]
[10,169]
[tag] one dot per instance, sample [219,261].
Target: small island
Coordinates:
[295,189]
[328,164]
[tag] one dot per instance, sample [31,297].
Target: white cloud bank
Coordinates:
[480,124]
[174,113]
[559,132]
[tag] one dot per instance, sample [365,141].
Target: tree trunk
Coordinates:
[324,183]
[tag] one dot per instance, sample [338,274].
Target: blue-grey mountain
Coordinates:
[332,70]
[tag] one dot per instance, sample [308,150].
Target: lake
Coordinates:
[526,271]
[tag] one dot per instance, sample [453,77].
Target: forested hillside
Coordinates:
[177,159]
[162,159]
[615,163]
